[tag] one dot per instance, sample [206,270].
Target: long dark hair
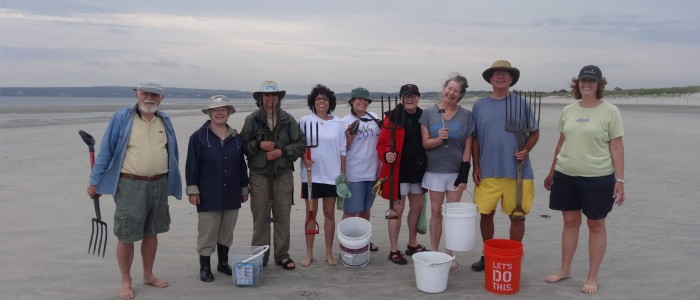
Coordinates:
[321,89]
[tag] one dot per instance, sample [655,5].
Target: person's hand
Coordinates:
[308,162]
[194,199]
[476,175]
[522,155]
[92,191]
[443,133]
[244,198]
[273,154]
[267,146]
[390,157]
[461,187]
[548,182]
[619,193]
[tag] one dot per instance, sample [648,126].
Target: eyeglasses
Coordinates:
[409,97]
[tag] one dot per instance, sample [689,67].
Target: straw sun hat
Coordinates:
[502,65]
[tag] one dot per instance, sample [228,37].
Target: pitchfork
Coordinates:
[311,226]
[522,116]
[391,213]
[98,237]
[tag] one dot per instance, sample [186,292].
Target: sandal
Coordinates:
[410,250]
[285,263]
[373,247]
[397,258]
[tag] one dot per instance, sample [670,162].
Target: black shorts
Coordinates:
[592,195]
[318,190]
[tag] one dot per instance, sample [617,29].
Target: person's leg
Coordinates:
[597,242]
[329,228]
[452,196]
[149,247]
[125,256]
[259,207]
[227,223]
[310,237]
[207,231]
[283,190]
[394,225]
[436,200]
[415,202]
[353,206]
[569,242]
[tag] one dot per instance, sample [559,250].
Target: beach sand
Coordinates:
[653,240]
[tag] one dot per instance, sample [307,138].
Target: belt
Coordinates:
[144,178]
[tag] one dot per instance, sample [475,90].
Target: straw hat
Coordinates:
[219,101]
[502,65]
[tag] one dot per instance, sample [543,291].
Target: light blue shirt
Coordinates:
[108,163]
[497,146]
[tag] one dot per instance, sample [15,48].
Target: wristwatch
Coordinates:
[620,180]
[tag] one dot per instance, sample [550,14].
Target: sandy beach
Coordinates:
[653,240]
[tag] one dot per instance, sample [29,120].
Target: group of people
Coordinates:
[402,155]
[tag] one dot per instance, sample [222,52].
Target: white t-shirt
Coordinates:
[331,146]
[362,161]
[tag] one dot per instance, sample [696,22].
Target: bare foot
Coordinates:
[454,265]
[330,260]
[307,260]
[126,292]
[590,287]
[556,277]
[154,281]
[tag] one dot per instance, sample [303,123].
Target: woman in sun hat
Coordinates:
[362,134]
[217,184]
[272,143]
[587,175]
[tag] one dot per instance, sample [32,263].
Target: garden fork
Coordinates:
[98,237]
[522,117]
[391,213]
[311,137]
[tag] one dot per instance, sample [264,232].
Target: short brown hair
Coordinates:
[577,93]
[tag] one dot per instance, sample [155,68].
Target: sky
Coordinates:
[379,45]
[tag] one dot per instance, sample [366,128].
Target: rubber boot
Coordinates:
[205,269]
[223,267]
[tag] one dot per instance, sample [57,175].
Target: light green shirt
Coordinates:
[587,134]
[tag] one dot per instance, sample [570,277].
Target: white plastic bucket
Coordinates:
[432,269]
[353,236]
[459,225]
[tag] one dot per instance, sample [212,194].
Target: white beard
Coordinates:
[148,109]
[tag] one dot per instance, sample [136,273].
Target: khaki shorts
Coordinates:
[492,190]
[141,209]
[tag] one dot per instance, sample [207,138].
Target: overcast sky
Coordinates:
[344,44]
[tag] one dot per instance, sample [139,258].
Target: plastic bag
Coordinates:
[341,188]
[422,226]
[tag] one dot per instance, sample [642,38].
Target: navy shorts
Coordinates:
[318,190]
[592,195]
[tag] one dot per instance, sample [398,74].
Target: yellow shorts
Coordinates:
[492,190]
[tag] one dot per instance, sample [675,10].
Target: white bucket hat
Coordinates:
[219,101]
[269,87]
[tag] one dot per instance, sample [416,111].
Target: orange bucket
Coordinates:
[503,259]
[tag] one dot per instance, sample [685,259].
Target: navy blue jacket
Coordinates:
[216,171]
